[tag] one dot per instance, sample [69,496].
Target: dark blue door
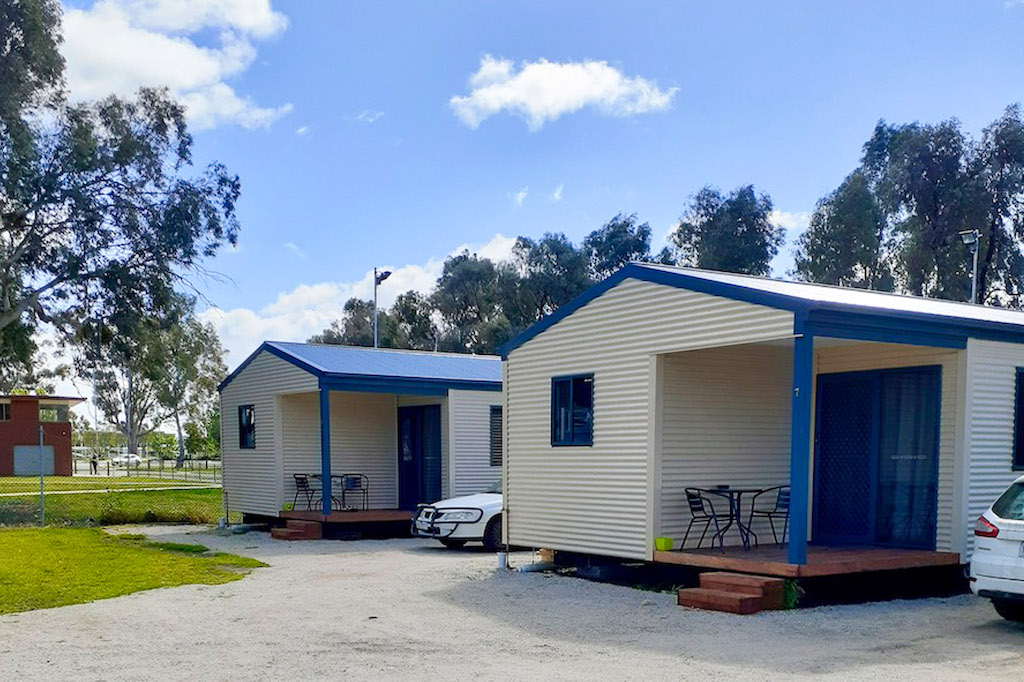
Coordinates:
[876,457]
[419,455]
[846,437]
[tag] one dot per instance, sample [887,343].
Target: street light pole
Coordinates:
[970,239]
[377,279]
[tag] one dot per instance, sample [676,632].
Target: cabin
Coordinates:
[338,433]
[881,425]
[35,435]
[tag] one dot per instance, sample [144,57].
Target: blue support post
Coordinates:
[800,448]
[325,449]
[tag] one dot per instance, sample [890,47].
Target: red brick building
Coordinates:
[20,419]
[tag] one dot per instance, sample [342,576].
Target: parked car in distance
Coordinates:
[997,567]
[458,520]
[131,459]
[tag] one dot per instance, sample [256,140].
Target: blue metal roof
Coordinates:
[381,369]
[821,309]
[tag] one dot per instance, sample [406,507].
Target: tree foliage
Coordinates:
[843,242]
[732,233]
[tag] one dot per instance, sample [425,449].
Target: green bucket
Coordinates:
[663,544]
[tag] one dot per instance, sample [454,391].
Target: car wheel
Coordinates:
[492,535]
[1010,610]
[453,544]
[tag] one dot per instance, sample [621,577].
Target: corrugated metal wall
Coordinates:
[364,440]
[725,419]
[992,369]
[595,499]
[470,413]
[252,481]
[865,356]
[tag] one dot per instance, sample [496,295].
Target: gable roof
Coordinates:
[384,369]
[829,307]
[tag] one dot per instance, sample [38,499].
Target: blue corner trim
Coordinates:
[367,383]
[800,448]
[821,318]
[325,450]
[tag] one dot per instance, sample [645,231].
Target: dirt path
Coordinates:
[407,609]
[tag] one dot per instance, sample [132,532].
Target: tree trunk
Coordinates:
[181,442]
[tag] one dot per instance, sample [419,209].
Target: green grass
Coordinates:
[42,568]
[105,509]
[28,484]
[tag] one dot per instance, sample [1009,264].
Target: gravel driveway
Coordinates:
[410,609]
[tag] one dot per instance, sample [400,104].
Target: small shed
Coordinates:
[894,421]
[24,419]
[415,426]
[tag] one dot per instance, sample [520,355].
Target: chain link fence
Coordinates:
[90,489]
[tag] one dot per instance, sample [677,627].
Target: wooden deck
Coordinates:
[351,517]
[821,560]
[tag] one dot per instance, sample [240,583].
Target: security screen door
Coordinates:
[419,455]
[876,457]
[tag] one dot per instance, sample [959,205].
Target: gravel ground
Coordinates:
[401,609]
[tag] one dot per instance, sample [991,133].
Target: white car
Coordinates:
[997,567]
[130,460]
[456,521]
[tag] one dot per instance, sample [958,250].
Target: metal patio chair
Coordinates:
[303,489]
[701,511]
[356,484]
[779,511]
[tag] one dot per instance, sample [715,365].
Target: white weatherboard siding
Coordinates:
[252,482]
[725,419]
[470,414]
[991,368]
[595,499]
[410,401]
[868,356]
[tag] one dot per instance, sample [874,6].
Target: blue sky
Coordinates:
[339,118]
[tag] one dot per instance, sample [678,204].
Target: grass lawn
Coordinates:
[104,509]
[28,484]
[45,567]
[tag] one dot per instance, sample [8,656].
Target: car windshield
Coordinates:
[494,488]
[1010,504]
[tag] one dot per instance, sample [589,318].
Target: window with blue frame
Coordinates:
[572,410]
[247,427]
[1018,420]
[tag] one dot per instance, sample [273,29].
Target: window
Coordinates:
[572,410]
[247,427]
[495,435]
[54,413]
[1018,421]
[1010,504]
[5,412]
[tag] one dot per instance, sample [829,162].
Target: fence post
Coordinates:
[42,505]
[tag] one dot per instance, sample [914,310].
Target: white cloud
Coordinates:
[791,220]
[367,116]
[295,249]
[118,46]
[519,197]
[302,130]
[557,194]
[543,91]
[794,222]
[310,308]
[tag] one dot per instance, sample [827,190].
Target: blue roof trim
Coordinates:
[266,346]
[367,383]
[820,318]
[410,386]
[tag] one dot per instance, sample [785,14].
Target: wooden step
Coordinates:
[286,534]
[771,590]
[719,600]
[311,530]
